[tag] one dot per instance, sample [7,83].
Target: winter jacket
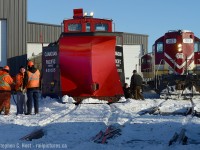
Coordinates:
[136,80]
[5,81]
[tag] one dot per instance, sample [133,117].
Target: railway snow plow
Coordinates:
[82,65]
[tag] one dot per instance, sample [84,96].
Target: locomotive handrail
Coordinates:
[157,72]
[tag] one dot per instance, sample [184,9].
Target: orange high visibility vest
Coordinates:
[19,81]
[5,81]
[33,79]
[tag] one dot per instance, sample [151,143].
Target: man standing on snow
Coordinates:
[20,89]
[32,83]
[5,89]
[136,85]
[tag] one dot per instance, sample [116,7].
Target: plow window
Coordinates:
[74,27]
[101,27]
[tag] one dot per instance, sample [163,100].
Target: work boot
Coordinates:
[1,110]
[7,111]
[36,112]
[27,113]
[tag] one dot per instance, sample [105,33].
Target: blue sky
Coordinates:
[150,17]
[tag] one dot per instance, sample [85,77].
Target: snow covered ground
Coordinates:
[68,126]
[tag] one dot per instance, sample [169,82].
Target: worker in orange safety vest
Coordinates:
[32,83]
[20,91]
[5,89]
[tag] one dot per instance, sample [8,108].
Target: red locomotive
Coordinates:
[176,53]
[82,63]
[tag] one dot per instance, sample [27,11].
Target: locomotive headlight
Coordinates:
[179,47]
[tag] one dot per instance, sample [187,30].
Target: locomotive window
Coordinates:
[74,27]
[153,48]
[101,27]
[148,61]
[143,61]
[159,47]
[196,47]
[88,27]
[170,41]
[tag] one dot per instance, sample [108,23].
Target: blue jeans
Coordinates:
[33,96]
[21,102]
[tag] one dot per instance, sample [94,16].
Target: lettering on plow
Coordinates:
[47,54]
[51,70]
[118,53]
[50,61]
[118,62]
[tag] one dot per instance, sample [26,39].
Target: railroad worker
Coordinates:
[127,91]
[32,83]
[5,89]
[21,91]
[136,85]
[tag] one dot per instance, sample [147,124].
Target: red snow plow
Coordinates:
[82,64]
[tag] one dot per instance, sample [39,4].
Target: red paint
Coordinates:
[85,60]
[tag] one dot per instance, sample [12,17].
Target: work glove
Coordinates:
[24,91]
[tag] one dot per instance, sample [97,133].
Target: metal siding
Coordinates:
[3,45]
[1,9]
[134,39]
[14,11]
[50,33]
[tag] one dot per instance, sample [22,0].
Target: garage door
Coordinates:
[132,54]
[3,43]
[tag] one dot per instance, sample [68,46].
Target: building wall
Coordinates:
[15,13]
[134,39]
[3,41]
[42,33]
[39,35]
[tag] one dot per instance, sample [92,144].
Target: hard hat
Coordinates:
[30,63]
[6,68]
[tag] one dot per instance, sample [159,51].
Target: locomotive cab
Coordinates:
[146,66]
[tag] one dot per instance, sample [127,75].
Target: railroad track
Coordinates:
[43,124]
[181,137]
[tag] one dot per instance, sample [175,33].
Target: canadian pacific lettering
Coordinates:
[118,54]
[46,54]
[118,61]
[51,61]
